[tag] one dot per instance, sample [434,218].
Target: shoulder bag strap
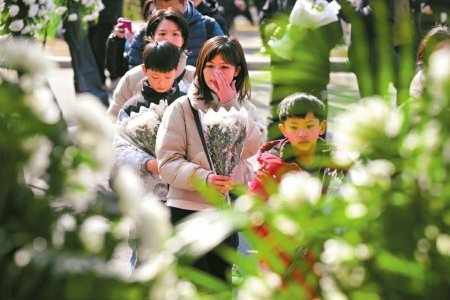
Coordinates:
[200,132]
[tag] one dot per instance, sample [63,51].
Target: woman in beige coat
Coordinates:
[222,80]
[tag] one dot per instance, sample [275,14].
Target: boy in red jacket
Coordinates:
[302,121]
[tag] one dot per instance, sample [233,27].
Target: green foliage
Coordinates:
[132,9]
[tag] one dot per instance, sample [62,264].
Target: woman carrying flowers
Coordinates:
[222,80]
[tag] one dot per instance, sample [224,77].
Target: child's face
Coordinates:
[303,133]
[159,81]
[218,67]
[168,31]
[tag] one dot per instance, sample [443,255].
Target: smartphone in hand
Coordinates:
[125,24]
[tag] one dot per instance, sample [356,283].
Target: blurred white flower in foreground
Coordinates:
[44,105]
[39,148]
[370,121]
[202,231]
[374,172]
[92,129]
[259,288]
[93,231]
[439,74]
[336,252]
[91,135]
[24,55]
[296,188]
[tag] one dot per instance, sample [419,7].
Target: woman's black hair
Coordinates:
[168,14]
[161,56]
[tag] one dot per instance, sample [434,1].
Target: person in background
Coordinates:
[87,48]
[308,70]
[163,25]
[118,45]
[233,8]
[211,8]
[201,28]
[222,80]
[433,12]
[371,51]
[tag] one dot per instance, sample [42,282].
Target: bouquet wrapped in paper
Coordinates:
[306,14]
[312,14]
[225,133]
[141,127]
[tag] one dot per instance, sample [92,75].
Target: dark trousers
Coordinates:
[86,76]
[98,33]
[211,262]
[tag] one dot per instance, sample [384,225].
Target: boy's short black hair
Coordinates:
[298,105]
[161,56]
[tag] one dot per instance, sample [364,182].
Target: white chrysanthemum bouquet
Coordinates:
[306,14]
[225,133]
[141,127]
[313,14]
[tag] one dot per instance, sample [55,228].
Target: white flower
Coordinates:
[296,188]
[29,2]
[439,75]
[67,223]
[371,119]
[313,14]
[153,227]
[33,10]
[443,244]
[201,232]
[375,172]
[93,129]
[130,191]
[355,210]
[432,136]
[61,10]
[44,105]
[91,17]
[255,288]
[22,257]
[42,1]
[336,252]
[16,25]
[93,231]
[26,56]
[39,148]
[72,17]
[285,225]
[13,10]
[27,29]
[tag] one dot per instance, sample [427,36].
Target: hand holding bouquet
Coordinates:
[225,133]
[141,127]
